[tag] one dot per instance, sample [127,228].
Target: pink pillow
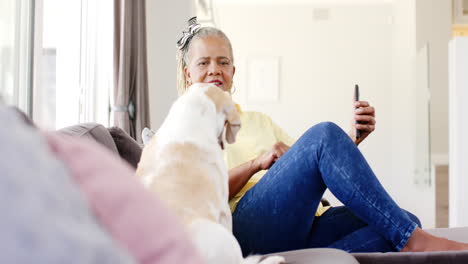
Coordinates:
[132,215]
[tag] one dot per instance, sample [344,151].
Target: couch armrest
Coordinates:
[93,131]
[128,148]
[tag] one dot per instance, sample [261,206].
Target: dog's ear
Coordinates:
[233,123]
[223,102]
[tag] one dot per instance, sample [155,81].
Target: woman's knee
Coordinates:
[413,218]
[327,130]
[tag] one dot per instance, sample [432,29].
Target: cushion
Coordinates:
[93,131]
[45,218]
[128,148]
[130,213]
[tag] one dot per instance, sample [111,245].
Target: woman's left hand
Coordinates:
[363,119]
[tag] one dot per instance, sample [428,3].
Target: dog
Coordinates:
[183,164]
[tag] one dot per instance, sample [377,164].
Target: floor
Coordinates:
[441,178]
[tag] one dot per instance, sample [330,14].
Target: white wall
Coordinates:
[434,21]
[320,61]
[458,198]
[419,199]
[165,20]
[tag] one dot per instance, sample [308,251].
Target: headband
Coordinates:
[192,29]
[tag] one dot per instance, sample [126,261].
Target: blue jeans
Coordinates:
[278,213]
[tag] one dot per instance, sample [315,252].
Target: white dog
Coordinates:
[183,164]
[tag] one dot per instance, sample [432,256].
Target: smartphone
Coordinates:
[356,98]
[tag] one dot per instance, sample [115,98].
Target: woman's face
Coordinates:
[210,61]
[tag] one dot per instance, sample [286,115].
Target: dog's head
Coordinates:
[228,118]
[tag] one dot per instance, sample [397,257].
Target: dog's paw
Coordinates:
[273,260]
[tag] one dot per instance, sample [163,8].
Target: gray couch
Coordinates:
[130,151]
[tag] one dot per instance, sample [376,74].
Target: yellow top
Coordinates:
[257,135]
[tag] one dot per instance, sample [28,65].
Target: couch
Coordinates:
[129,150]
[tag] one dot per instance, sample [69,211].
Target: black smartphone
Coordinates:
[356,98]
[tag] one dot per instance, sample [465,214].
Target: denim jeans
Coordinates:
[340,228]
[278,213]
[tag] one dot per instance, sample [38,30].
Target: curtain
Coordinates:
[131,106]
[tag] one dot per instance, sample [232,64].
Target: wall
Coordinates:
[458,198]
[419,199]
[434,21]
[165,21]
[320,60]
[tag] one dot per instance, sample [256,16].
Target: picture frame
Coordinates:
[204,10]
[460,11]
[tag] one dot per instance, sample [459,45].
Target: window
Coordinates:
[74,62]
[15,52]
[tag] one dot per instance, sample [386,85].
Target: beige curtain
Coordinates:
[131,107]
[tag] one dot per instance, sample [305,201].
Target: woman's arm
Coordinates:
[241,174]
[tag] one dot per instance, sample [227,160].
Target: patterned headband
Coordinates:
[192,29]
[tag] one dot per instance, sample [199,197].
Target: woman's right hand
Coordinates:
[241,174]
[266,160]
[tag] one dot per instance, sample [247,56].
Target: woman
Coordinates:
[281,209]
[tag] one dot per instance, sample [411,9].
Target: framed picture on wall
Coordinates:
[205,13]
[460,11]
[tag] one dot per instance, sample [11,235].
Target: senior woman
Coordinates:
[280,210]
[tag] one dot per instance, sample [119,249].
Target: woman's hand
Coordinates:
[264,161]
[364,114]
[241,174]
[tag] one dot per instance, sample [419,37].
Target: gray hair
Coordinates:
[182,54]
